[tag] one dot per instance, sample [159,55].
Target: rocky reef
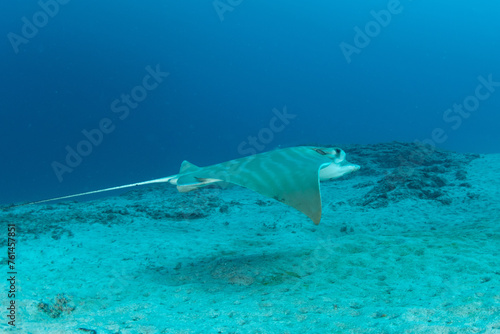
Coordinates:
[409,170]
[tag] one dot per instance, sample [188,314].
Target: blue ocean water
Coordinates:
[243,76]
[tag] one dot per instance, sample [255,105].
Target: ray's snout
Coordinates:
[354,167]
[334,170]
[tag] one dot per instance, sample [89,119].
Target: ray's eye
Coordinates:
[337,150]
[320,151]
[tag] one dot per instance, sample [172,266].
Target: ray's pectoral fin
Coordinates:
[302,194]
[283,175]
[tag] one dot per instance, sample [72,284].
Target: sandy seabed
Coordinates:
[392,254]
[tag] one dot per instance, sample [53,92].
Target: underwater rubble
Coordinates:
[409,170]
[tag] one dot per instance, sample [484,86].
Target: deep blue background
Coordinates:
[225,79]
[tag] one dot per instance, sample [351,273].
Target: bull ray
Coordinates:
[289,175]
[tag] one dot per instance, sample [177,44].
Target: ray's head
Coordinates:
[339,165]
[335,153]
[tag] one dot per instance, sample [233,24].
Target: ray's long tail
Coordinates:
[161,180]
